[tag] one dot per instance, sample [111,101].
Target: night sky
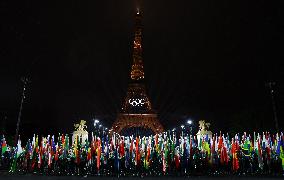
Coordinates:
[202,59]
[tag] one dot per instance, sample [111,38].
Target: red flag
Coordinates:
[99,149]
[131,147]
[121,148]
[39,158]
[177,161]
[56,154]
[235,163]
[148,153]
[137,154]
[89,155]
[63,140]
[224,156]
[220,142]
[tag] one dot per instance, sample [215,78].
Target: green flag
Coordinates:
[4,145]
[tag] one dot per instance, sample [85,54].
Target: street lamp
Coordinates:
[182,127]
[96,121]
[100,129]
[190,123]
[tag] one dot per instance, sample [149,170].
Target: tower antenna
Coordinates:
[270,86]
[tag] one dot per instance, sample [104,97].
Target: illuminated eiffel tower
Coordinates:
[136,109]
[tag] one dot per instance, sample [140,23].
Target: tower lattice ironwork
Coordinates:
[136,109]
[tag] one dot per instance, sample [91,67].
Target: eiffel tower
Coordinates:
[136,111]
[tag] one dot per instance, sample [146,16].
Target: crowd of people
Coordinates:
[167,153]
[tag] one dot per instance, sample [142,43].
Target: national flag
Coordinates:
[282,156]
[147,154]
[77,150]
[212,149]
[116,160]
[166,153]
[3,146]
[235,162]
[98,151]
[89,154]
[220,143]
[19,148]
[259,153]
[63,141]
[206,148]
[177,158]
[137,151]
[49,157]
[121,150]
[164,162]
[56,156]
[131,147]
[39,157]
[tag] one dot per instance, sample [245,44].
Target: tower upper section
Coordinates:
[137,69]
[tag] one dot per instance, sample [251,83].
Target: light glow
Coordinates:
[96,121]
[189,122]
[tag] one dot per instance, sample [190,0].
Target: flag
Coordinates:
[116,160]
[224,156]
[147,154]
[121,150]
[56,152]
[33,142]
[39,157]
[77,150]
[235,162]
[49,157]
[3,146]
[28,150]
[66,146]
[53,146]
[164,162]
[212,149]
[259,153]
[165,154]
[137,152]
[246,147]
[89,154]
[19,148]
[14,162]
[106,151]
[156,142]
[17,152]
[206,148]
[282,156]
[220,143]
[98,151]
[131,147]
[177,158]
[62,141]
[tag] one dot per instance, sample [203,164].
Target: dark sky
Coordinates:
[203,60]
